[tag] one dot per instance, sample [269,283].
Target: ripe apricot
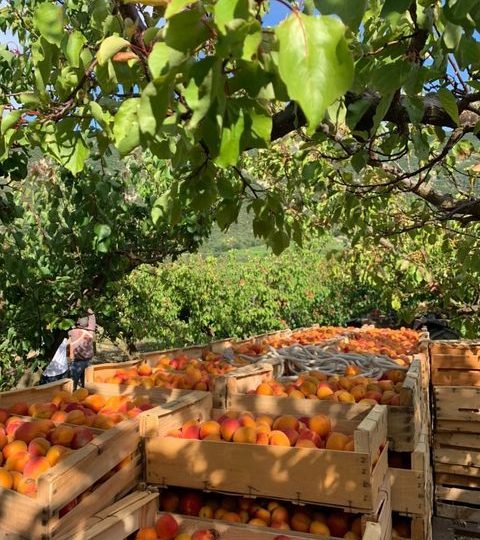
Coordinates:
[147,533]
[278,438]
[36,466]
[320,424]
[27,431]
[27,486]
[62,435]
[247,420]
[300,522]
[337,522]
[38,446]
[228,427]
[305,443]
[210,427]
[166,526]
[94,402]
[296,394]
[319,528]
[6,479]
[245,434]
[263,419]
[344,397]
[256,522]
[80,394]
[17,461]
[264,389]
[323,391]
[337,441]
[20,408]
[13,448]
[262,438]
[358,392]
[286,421]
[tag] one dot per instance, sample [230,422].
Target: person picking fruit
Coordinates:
[81,347]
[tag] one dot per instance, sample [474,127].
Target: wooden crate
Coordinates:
[347,479]
[457,452]
[39,517]
[412,489]
[420,528]
[405,422]
[139,509]
[35,394]
[455,363]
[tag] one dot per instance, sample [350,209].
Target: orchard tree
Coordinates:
[357,114]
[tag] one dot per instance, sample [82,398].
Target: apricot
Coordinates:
[337,441]
[246,435]
[310,435]
[17,461]
[358,392]
[373,394]
[4,414]
[386,385]
[20,408]
[191,432]
[319,528]
[75,417]
[232,517]
[95,402]
[59,417]
[81,437]
[346,383]
[80,394]
[263,514]
[292,435]
[190,504]
[286,421]
[247,420]
[387,397]
[395,401]
[320,424]
[300,522]
[344,397]
[206,512]
[6,479]
[350,446]
[305,443]
[147,533]
[13,423]
[228,428]
[166,526]
[38,446]
[265,420]
[102,421]
[205,534]
[352,370]
[368,402]
[278,438]
[337,523]
[36,466]
[308,388]
[296,394]
[350,535]
[279,515]
[256,522]
[324,391]
[210,427]
[27,486]
[61,397]
[13,448]
[262,438]
[263,428]
[42,410]
[264,389]
[62,435]
[27,432]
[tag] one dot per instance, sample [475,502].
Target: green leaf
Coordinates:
[174,6]
[125,128]
[10,119]
[153,107]
[48,19]
[314,63]
[394,7]
[226,11]
[245,125]
[176,34]
[102,231]
[415,108]
[109,47]
[64,142]
[252,41]
[449,103]
[452,35]
[76,41]
[381,111]
[163,60]
[203,87]
[350,11]
[359,160]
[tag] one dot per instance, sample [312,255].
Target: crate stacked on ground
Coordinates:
[456,382]
[138,513]
[408,430]
[262,463]
[66,456]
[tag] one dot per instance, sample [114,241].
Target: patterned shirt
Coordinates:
[81,340]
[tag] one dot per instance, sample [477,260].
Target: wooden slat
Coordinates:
[457,403]
[452,377]
[35,394]
[457,512]
[458,495]
[450,478]
[468,458]
[465,426]
[467,441]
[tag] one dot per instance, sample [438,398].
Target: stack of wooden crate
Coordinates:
[456,385]
[354,481]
